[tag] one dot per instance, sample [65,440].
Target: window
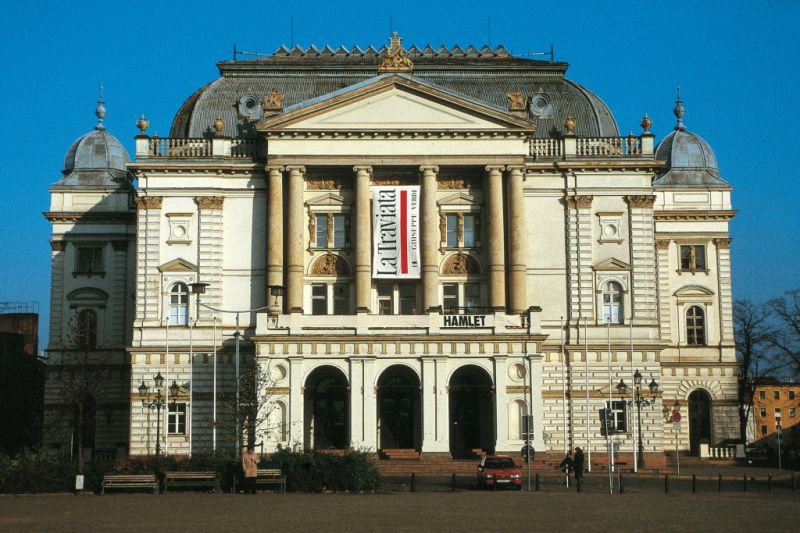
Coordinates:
[176,418]
[472,297]
[791,395]
[612,303]
[762,395]
[385,299]
[330,230]
[619,416]
[341,299]
[763,429]
[450,298]
[397,298]
[179,305]
[777,412]
[322,231]
[763,411]
[338,231]
[408,299]
[776,395]
[452,231]
[89,260]
[469,231]
[87,330]
[693,257]
[319,299]
[695,326]
[792,412]
[461,298]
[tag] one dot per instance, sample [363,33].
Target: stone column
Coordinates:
[430,226]
[517,269]
[579,236]
[295,241]
[664,308]
[643,275]
[501,402]
[274,230]
[209,254]
[296,407]
[724,289]
[148,228]
[363,229]
[496,238]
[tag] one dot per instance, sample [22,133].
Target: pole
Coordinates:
[158,422]
[633,396]
[563,386]
[639,422]
[166,393]
[779,444]
[677,455]
[610,401]
[238,432]
[191,382]
[586,379]
[214,402]
[529,401]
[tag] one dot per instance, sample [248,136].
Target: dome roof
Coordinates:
[95,158]
[690,161]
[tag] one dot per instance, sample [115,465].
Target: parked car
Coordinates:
[499,471]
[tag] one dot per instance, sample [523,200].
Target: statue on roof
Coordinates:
[396,59]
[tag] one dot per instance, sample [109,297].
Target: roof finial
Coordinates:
[100,110]
[679,111]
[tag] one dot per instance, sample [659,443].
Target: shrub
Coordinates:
[310,471]
[36,471]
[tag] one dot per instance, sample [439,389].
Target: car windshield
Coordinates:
[499,462]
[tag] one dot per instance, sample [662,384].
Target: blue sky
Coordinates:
[738,65]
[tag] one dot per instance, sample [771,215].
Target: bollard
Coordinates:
[454,482]
[769,483]
[413,482]
[694,483]
[621,484]
[745,483]
[666,484]
[719,483]
[536,484]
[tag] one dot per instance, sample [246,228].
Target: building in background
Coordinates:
[435,242]
[776,405]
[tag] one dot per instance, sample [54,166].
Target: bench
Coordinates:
[130,481]
[191,479]
[271,476]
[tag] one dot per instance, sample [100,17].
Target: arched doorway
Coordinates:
[471,411]
[699,420]
[399,418]
[327,409]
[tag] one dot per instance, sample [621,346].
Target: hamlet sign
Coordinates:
[395,232]
[464,321]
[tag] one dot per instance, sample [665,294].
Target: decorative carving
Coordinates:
[330,265]
[328,184]
[396,59]
[646,201]
[443,228]
[581,201]
[273,101]
[386,181]
[148,202]
[329,218]
[569,125]
[517,101]
[457,183]
[460,265]
[662,244]
[209,202]
[142,124]
[312,227]
[219,125]
[58,246]
[460,227]
[645,124]
[722,243]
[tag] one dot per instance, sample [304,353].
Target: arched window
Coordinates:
[612,303]
[695,326]
[87,330]
[179,305]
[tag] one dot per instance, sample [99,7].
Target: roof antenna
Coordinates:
[100,110]
[489,25]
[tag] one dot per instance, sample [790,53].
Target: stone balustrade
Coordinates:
[196,148]
[593,147]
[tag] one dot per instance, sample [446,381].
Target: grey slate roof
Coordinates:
[303,74]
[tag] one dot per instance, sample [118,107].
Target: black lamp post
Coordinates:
[639,400]
[157,403]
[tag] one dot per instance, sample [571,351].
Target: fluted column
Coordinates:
[430,226]
[294,236]
[275,230]
[363,239]
[517,271]
[496,238]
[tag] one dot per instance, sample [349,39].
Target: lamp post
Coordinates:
[639,400]
[156,403]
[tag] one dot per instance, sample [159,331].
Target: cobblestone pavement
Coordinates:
[418,512]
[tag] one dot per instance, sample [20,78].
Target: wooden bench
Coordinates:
[271,476]
[130,481]
[191,479]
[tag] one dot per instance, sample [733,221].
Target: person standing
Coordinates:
[577,465]
[250,469]
[566,465]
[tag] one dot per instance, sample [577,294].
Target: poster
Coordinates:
[395,232]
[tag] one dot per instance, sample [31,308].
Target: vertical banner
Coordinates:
[395,232]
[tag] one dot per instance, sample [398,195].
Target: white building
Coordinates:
[548,258]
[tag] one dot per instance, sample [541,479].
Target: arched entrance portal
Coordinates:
[399,418]
[471,411]
[327,409]
[699,420]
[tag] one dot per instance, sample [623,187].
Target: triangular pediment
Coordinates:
[328,199]
[611,264]
[178,265]
[395,102]
[460,198]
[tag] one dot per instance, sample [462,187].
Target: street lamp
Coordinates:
[156,403]
[639,400]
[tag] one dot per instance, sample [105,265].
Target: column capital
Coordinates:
[363,168]
[275,168]
[515,168]
[495,168]
[296,168]
[722,243]
[581,201]
[662,244]
[429,168]
[209,202]
[641,201]
[57,246]
[148,202]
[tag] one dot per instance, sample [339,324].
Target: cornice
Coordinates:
[112,217]
[704,214]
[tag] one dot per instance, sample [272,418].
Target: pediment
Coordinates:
[611,264]
[326,200]
[458,199]
[178,265]
[87,294]
[694,290]
[394,103]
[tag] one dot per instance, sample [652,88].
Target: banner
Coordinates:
[395,232]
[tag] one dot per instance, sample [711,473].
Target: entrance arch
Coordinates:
[471,411]
[699,419]
[327,409]
[399,415]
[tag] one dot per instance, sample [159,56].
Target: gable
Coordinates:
[610,265]
[326,200]
[178,265]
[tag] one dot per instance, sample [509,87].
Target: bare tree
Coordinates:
[753,333]
[786,341]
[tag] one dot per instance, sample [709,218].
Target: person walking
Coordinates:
[577,466]
[566,464]
[250,469]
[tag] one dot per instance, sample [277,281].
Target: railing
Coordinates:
[179,148]
[607,146]
[472,310]
[245,148]
[546,148]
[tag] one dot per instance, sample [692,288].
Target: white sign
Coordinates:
[395,232]
[464,321]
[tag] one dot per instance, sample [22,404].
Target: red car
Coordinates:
[498,471]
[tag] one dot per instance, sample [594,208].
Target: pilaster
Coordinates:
[501,402]
[296,407]
[723,247]
[662,264]
[435,408]
[148,230]
[119,303]
[58,249]
[210,248]
[643,275]
[496,237]
[579,236]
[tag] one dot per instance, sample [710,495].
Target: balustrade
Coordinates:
[179,148]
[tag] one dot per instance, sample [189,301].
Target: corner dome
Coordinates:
[96,158]
[690,161]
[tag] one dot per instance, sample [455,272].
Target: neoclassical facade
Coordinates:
[541,258]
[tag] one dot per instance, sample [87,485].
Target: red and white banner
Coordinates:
[395,232]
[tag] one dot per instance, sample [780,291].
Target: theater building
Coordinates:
[424,246]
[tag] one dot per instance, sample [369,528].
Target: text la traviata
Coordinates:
[395,232]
